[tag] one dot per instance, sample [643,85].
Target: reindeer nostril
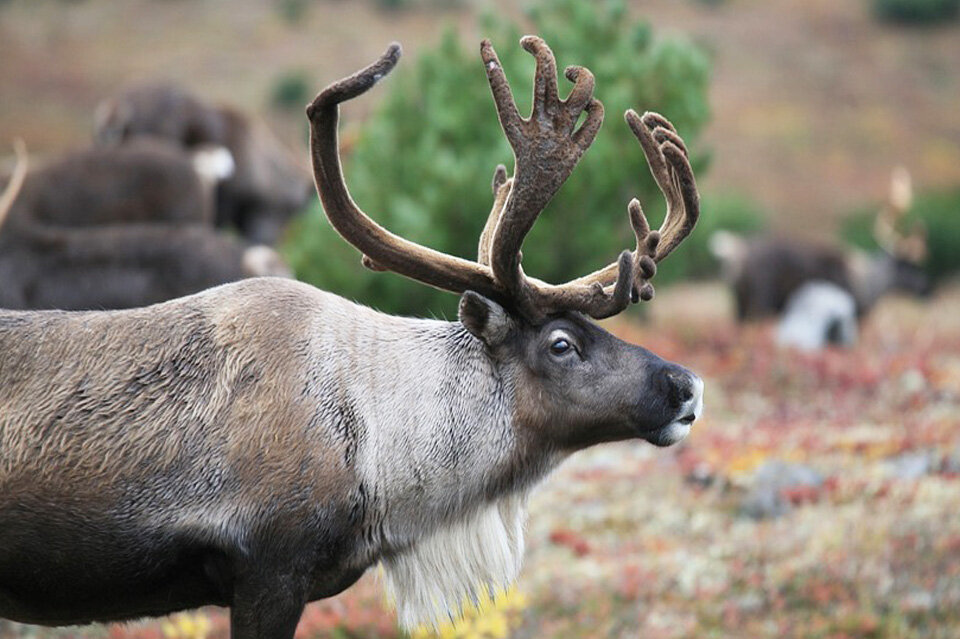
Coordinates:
[680,388]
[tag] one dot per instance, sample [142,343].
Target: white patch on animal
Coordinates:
[214,163]
[263,261]
[477,555]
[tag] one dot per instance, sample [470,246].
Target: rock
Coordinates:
[912,381]
[909,466]
[917,601]
[777,486]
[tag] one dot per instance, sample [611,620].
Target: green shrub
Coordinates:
[939,212]
[400,5]
[422,163]
[916,11]
[292,11]
[291,90]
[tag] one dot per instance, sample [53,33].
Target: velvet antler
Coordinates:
[547,147]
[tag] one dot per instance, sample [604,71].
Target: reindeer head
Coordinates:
[576,381]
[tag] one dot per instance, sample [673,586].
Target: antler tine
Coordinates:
[913,246]
[501,189]
[667,156]
[16,179]
[546,149]
[381,249]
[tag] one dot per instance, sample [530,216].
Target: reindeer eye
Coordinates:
[560,346]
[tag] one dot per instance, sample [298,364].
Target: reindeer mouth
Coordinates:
[673,433]
[678,429]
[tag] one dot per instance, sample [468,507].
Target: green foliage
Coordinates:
[423,162]
[916,11]
[939,212]
[291,90]
[292,11]
[398,5]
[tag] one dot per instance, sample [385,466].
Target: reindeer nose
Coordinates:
[681,386]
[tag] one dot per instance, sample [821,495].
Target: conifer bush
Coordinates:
[422,162]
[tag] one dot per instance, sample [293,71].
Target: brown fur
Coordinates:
[211,355]
[146,182]
[770,270]
[773,270]
[117,228]
[117,266]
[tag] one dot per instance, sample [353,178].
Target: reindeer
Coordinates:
[766,272]
[268,186]
[262,444]
[117,228]
[146,181]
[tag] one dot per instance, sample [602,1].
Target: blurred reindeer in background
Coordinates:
[147,181]
[268,186]
[118,228]
[766,273]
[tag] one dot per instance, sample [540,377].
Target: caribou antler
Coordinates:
[501,189]
[911,247]
[16,180]
[547,147]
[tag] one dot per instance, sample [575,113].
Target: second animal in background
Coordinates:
[119,228]
[268,185]
[820,287]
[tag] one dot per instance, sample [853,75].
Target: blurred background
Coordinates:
[818,497]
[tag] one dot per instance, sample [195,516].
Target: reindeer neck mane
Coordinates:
[448,472]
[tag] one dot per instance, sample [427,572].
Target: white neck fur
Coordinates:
[440,458]
[477,555]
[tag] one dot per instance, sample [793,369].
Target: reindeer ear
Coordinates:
[484,318]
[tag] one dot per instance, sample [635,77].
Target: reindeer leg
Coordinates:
[266,606]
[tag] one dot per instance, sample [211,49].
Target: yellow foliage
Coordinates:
[489,618]
[747,462]
[186,626]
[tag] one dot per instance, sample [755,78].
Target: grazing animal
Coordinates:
[765,272]
[122,266]
[116,228]
[146,181]
[267,187]
[261,444]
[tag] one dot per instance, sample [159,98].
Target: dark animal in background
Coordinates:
[118,228]
[122,266]
[263,443]
[765,272]
[146,181]
[268,186]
